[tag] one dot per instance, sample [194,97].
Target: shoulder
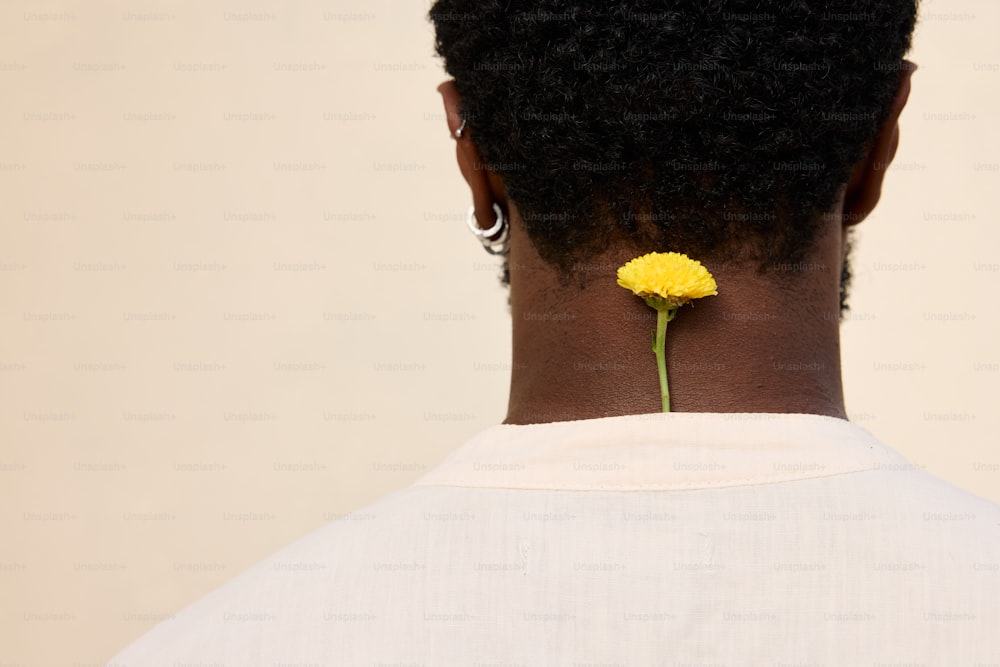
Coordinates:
[277,606]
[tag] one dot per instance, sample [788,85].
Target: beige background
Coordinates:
[239,300]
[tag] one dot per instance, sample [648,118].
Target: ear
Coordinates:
[864,188]
[486,187]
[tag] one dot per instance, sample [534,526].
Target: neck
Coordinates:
[765,343]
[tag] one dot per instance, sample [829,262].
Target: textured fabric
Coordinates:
[666,539]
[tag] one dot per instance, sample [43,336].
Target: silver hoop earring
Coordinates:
[499,245]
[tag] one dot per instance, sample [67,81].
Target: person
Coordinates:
[754,524]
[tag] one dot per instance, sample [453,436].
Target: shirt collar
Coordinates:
[663,452]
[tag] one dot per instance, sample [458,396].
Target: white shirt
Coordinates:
[663,539]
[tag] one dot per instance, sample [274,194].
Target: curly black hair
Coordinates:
[720,128]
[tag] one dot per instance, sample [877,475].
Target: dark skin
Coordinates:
[765,343]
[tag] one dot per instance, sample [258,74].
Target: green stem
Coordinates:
[663,316]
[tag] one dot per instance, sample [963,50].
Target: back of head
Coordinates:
[724,129]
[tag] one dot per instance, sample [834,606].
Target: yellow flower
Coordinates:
[666,281]
[669,277]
